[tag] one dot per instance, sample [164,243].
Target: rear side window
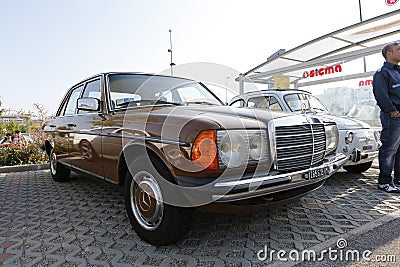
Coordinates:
[71,103]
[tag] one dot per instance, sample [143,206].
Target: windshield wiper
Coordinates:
[201,103]
[167,103]
[147,102]
[319,110]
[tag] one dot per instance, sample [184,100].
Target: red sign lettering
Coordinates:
[322,71]
[365,83]
[391,2]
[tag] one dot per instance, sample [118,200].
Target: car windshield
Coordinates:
[140,90]
[304,103]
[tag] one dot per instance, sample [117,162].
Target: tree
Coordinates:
[3,129]
[12,126]
[41,112]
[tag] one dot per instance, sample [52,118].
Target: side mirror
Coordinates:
[88,104]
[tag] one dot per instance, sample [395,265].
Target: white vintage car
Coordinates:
[357,139]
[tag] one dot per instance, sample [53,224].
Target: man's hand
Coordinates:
[395,114]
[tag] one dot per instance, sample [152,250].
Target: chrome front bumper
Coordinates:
[225,190]
[358,157]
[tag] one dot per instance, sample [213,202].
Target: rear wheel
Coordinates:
[359,168]
[153,220]
[59,173]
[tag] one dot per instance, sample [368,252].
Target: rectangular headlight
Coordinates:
[240,148]
[332,138]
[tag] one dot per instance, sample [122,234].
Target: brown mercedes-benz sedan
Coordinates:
[173,146]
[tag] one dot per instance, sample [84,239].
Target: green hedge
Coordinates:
[16,155]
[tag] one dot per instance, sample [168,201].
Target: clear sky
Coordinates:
[46,46]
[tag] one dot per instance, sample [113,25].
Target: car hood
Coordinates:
[345,123]
[183,123]
[224,116]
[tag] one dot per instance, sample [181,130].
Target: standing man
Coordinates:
[386,88]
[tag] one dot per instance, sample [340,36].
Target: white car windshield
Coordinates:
[304,103]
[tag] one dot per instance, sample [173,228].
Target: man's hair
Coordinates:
[388,48]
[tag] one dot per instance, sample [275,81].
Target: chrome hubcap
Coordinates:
[146,200]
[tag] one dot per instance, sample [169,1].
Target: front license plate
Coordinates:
[316,173]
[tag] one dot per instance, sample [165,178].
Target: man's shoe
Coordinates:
[389,188]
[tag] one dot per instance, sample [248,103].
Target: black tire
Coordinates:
[59,173]
[359,168]
[154,221]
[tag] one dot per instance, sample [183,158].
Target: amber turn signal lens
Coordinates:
[204,151]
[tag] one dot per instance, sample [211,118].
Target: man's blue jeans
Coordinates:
[389,152]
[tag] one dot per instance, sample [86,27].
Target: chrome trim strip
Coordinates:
[77,169]
[313,144]
[295,146]
[138,137]
[296,157]
[272,143]
[149,139]
[254,180]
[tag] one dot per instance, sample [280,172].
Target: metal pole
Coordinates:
[241,83]
[361,19]
[170,50]
[226,89]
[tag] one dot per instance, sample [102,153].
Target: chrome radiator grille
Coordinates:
[300,146]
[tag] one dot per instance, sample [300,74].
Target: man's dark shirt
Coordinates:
[386,87]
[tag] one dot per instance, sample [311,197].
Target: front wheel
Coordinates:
[153,220]
[359,168]
[59,173]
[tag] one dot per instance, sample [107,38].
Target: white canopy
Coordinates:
[339,47]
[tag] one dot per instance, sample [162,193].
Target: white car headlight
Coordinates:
[257,147]
[239,148]
[233,150]
[332,138]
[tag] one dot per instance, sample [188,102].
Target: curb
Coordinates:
[23,168]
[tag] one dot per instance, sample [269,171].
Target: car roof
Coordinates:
[140,73]
[126,73]
[277,90]
[261,92]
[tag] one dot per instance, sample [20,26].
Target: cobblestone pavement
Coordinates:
[83,223]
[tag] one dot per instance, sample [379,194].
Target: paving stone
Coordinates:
[83,223]
[5,256]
